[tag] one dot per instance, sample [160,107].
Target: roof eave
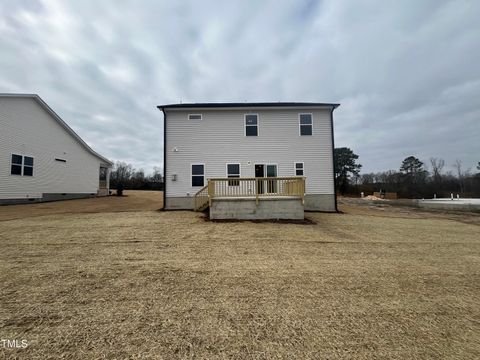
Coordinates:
[70,130]
[48,109]
[227,106]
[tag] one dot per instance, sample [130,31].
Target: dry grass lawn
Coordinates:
[132,201]
[80,281]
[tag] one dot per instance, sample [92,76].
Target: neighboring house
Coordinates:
[276,150]
[42,158]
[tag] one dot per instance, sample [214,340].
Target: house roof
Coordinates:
[48,109]
[249,105]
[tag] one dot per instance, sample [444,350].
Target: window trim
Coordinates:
[191,175]
[245,124]
[22,165]
[300,125]
[201,117]
[295,168]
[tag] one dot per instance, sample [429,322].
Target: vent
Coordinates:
[194,116]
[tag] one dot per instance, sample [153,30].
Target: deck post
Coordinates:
[302,190]
[211,190]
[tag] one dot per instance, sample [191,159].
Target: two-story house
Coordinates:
[276,150]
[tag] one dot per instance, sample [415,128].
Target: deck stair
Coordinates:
[201,199]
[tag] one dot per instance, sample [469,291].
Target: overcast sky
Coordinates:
[407,73]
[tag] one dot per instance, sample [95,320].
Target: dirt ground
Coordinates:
[114,278]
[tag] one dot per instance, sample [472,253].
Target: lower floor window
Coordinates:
[21,165]
[299,169]
[17,163]
[198,175]
[233,171]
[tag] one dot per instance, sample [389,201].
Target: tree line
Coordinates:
[125,176]
[413,179]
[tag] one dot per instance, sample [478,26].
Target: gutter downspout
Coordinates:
[164,158]
[333,159]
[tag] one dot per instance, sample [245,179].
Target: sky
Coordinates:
[406,73]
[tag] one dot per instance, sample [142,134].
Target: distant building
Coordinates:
[42,158]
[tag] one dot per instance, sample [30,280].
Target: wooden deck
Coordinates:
[250,188]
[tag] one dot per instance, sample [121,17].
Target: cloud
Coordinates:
[406,73]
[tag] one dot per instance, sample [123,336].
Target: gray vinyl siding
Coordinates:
[219,138]
[27,129]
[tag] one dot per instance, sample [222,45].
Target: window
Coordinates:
[194,116]
[306,127]
[299,169]
[27,166]
[198,175]
[16,164]
[251,125]
[233,171]
[21,165]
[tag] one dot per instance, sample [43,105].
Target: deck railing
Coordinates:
[201,199]
[258,188]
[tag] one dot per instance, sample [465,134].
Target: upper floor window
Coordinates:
[306,124]
[194,116]
[233,171]
[21,165]
[198,175]
[299,169]
[251,125]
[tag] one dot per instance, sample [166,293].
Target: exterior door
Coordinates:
[260,173]
[271,184]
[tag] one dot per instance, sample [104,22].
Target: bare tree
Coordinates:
[461,174]
[458,167]
[367,178]
[121,173]
[157,175]
[437,167]
[138,178]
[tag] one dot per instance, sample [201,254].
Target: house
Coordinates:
[42,158]
[280,153]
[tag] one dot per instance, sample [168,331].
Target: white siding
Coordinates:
[219,138]
[27,129]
